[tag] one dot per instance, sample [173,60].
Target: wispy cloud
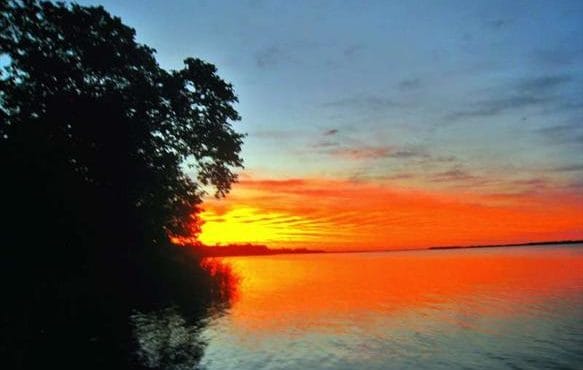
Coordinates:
[453,175]
[534,183]
[498,23]
[383,151]
[410,84]
[364,102]
[459,177]
[362,153]
[418,155]
[538,91]
[557,57]
[410,153]
[353,50]
[542,85]
[330,132]
[324,144]
[270,56]
[562,134]
[569,168]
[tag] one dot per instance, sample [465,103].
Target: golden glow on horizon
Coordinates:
[326,214]
[252,225]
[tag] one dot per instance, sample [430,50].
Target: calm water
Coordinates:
[480,309]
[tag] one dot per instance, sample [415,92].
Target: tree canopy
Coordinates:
[86,111]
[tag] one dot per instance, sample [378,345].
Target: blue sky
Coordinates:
[431,94]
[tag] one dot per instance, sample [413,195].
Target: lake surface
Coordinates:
[519,307]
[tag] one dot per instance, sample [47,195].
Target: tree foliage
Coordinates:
[82,100]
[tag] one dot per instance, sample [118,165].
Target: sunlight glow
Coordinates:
[341,215]
[251,225]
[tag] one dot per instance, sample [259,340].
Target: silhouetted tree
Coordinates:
[81,98]
[95,142]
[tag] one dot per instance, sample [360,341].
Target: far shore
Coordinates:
[233,250]
[509,245]
[239,250]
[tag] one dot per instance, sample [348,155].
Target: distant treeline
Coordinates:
[510,245]
[247,250]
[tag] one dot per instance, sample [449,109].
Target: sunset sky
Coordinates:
[390,124]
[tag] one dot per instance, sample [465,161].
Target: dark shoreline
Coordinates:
[508,245]
[236,250]
[262,250]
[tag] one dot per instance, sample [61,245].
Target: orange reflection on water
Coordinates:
[303,290]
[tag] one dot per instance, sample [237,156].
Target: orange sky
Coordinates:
[342,215]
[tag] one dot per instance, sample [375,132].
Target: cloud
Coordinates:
[498,24]
[452,175]
[401,176]
[542,85]
[352,50]
[530,92]
[326,144]
[562,134]
[570,168]
[576,185]
[410,84]
[367,103]
[330,132]
[459,177]
[410,153]
[493,107]
[328,139]
[269,57]
[536,182]
[271,183]
[558,57]
[376,152]
[362,153]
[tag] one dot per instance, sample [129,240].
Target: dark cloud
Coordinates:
[331,132]
[410,84]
